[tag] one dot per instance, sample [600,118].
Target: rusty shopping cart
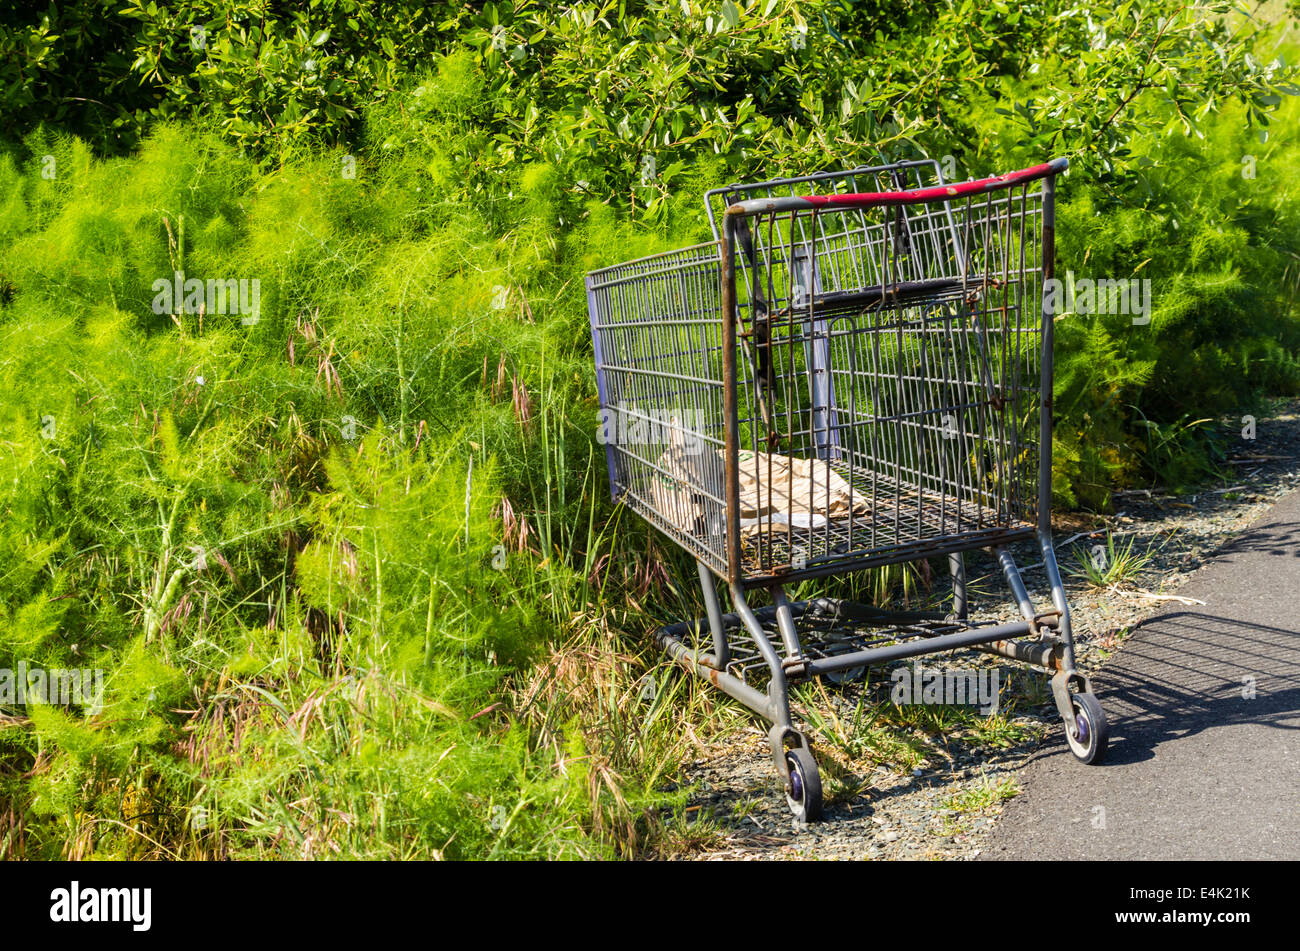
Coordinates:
[856,372]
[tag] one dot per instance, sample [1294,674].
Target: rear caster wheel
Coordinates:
[804,791]
[843,678]
[1090,733]
[850,675]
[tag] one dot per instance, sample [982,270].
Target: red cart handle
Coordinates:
[914,196]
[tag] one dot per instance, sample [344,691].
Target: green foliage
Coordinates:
[1214,223]
[597,89]
[283,540]
[1111,564]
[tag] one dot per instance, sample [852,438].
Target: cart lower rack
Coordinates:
[856,372]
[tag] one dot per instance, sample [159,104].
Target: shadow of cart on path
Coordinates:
[1182,673]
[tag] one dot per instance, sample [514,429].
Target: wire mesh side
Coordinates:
[896,176]
[840,249]
[920,393]
[657,336]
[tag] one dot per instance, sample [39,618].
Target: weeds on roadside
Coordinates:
[983,797]
[1111,565]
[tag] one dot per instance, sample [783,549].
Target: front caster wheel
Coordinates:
[1090,734]
[804,791]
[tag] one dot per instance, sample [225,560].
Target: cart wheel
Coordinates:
[804,791]
[841,678]
[850,675]
[1089,746]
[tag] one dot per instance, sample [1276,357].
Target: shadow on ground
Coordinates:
[1186,672]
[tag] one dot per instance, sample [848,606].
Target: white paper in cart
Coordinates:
[687,488]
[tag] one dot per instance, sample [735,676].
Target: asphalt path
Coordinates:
[1204,711]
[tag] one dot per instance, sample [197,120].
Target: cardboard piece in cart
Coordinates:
[779,492]
[776,492]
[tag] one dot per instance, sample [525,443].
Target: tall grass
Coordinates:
[344,566]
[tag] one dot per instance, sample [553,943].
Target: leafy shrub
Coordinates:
[1219,240]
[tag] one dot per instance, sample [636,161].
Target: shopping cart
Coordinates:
[856,372]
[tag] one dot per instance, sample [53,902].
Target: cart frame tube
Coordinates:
[611,462]
[730,409]
[913,196]
[1045,397]
[1046,403]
